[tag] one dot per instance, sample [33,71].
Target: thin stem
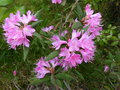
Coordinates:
[70,12]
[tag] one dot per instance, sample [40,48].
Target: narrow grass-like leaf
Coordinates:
[37,14]
[35,80]
[79,11]
[36,23]
[5,2]
[2,11]
[53,80]
[86,28]
[40,38]
[79,75]
[52,55]
[76,25]
[25,52]
[58,83]
[64,76]
[67,85]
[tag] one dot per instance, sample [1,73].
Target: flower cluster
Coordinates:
[44,67]
[74,49]
[93,21]
[77,48]
[56,1]
[106,68]
[47,29]
[17,29]
[80,47]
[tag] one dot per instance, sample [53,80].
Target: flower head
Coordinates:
[64,53]
[72,61]
[63,33]
[47,29]
[17,29]
[14,73]
[87,47]
[73,43]
[75,34]
[93,21]
[87,55]
[88,10]
[44,67]
[57,42]
[86,42]
[56,1]
[106,68]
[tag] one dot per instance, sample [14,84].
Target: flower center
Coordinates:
[50,69]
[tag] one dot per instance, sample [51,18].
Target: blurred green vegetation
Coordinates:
[88,76]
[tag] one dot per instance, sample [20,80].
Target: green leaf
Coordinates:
[114,27]
[40,38]
[107,87]
[36,23]
[64,76]
[79,11]
[2,12]
[67,85]
[53,80]
[58,83]
[108,62]
[86,28]
[20,8]
[79,75]
[119,36]
[76,25]
[35,80]
[111,56]
[37,14]
[115,43]
[25,52]
[52,55]
[63,3]
[105,41]
[38,35]
[5,2]
[113,65]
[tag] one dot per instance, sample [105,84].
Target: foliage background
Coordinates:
[88,76]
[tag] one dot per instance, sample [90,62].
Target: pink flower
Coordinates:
[87,55]
[65,64]
[88,10]
[75,34]
[44,67]
[47,29]
[14,73]
[64,33]
[25,19]
[64,53]
[106,68]
[56,1]
[72,61]
[17,29]
[88,48]
[86,42]
[76,20]
[95,31]
[93,21]
[73,44]
[57,42]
